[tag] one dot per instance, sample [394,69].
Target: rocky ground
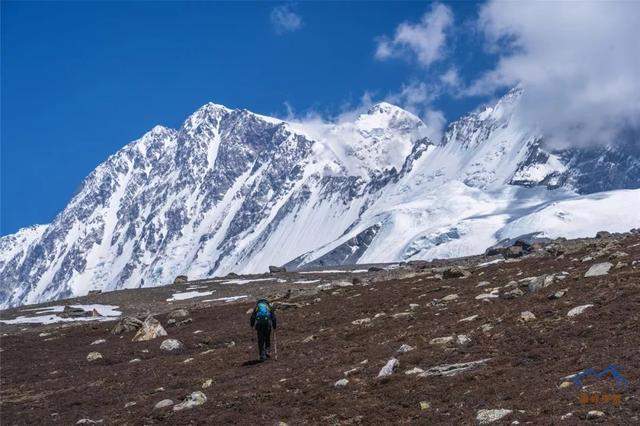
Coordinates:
[467,341]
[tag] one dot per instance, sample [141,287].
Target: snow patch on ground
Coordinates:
[108,312]
[189,295]
[226,299]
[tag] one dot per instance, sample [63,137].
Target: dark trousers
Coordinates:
[264,339]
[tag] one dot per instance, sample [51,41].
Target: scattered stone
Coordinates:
[618,255]
[598,269]
[361,321]
[424,405]
[193,400]
[468,319]
[43,334]
[389,368]
[172,345]
[135,360]
[187,361]
[486,327]
[594,414]
[566,416]
[488,296]
[413,306]
[512,294]
[463,340]
[414,370]
[89,422]
[483,284]
[163,404]
[178,314]
[527,316]
[455,272]
[71,312]
[378,315]
[130,404]
[484,417]
[449,370]
[352,371]
[309,339]
[92,292]
[403,315]
[534,284]
[98,342]
[277,269]
[441,341]
[578,310]
[126,324]
[558,294]
[94,356]
[450,298]
[375,269]
[565,385]
[341,383]
[151,329]
[602,234]
[207,383]
[404,349]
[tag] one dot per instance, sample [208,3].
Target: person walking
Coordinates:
[263,319]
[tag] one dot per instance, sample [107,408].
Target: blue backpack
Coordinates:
[263,312]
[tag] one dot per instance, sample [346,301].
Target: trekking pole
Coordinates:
[275,345]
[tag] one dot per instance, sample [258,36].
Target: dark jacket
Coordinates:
[272,315]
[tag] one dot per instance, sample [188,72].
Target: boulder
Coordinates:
[513,251]
[602,234]
[389,368]
[72,312]
[527,316]
[193,400]
[484,417]
[178,314]
[449,370]
[151,329]
[172,345]
[92,292]
[94,356]
[598,269]
[181,279]
[375,269]
[277,269]
[455,272]
[163,404]
[578,310]
[126,324]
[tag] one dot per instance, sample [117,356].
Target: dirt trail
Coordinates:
[47,379]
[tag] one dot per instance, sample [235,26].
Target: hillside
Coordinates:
[508,333]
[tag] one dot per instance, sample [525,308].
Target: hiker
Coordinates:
[263,318]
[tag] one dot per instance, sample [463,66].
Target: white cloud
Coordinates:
[285,20]
[578,63]
[451,78]
[418,98]
[425,40]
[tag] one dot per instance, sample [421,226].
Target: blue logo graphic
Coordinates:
[591,372]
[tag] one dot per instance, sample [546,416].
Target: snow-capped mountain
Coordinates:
[236,191]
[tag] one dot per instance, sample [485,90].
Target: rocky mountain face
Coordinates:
[236,191]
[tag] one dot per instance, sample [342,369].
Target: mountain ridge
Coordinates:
[235,191]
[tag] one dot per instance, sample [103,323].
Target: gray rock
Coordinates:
[527,316]
[455,272]
[181,279]
[449,370]
[341,383]
[389,368]
[89,422]
[126,324]
[598,269]
[404,349]
[484,417]
[163,404]
[151,329]
[578,310]
[98,342]
[277,269]
[193,400]
[441,341]
[94,356]
[172,345]
[594,414]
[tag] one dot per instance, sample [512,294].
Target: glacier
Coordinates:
[235,191]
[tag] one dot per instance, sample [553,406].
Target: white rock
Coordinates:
[94,356]
[133,361]
[378,315]
[450,298]
[151,328]
[89,422]
[352,371]
[598,269]
[578,310]
[488,296]
[414,370]
[527,316]
[341,383]
[403,315]
[413,306]
[207,383]
[193,400]
[463,340]
[441,340]
[130,404]
[484,417]
[594,414]
[361,321]
[404,349]
[467,319]
[389,368]
[98,342]
[171,345]
[566,416]
[483,284]
[163,404]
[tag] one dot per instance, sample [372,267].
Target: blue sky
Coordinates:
[79,80]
